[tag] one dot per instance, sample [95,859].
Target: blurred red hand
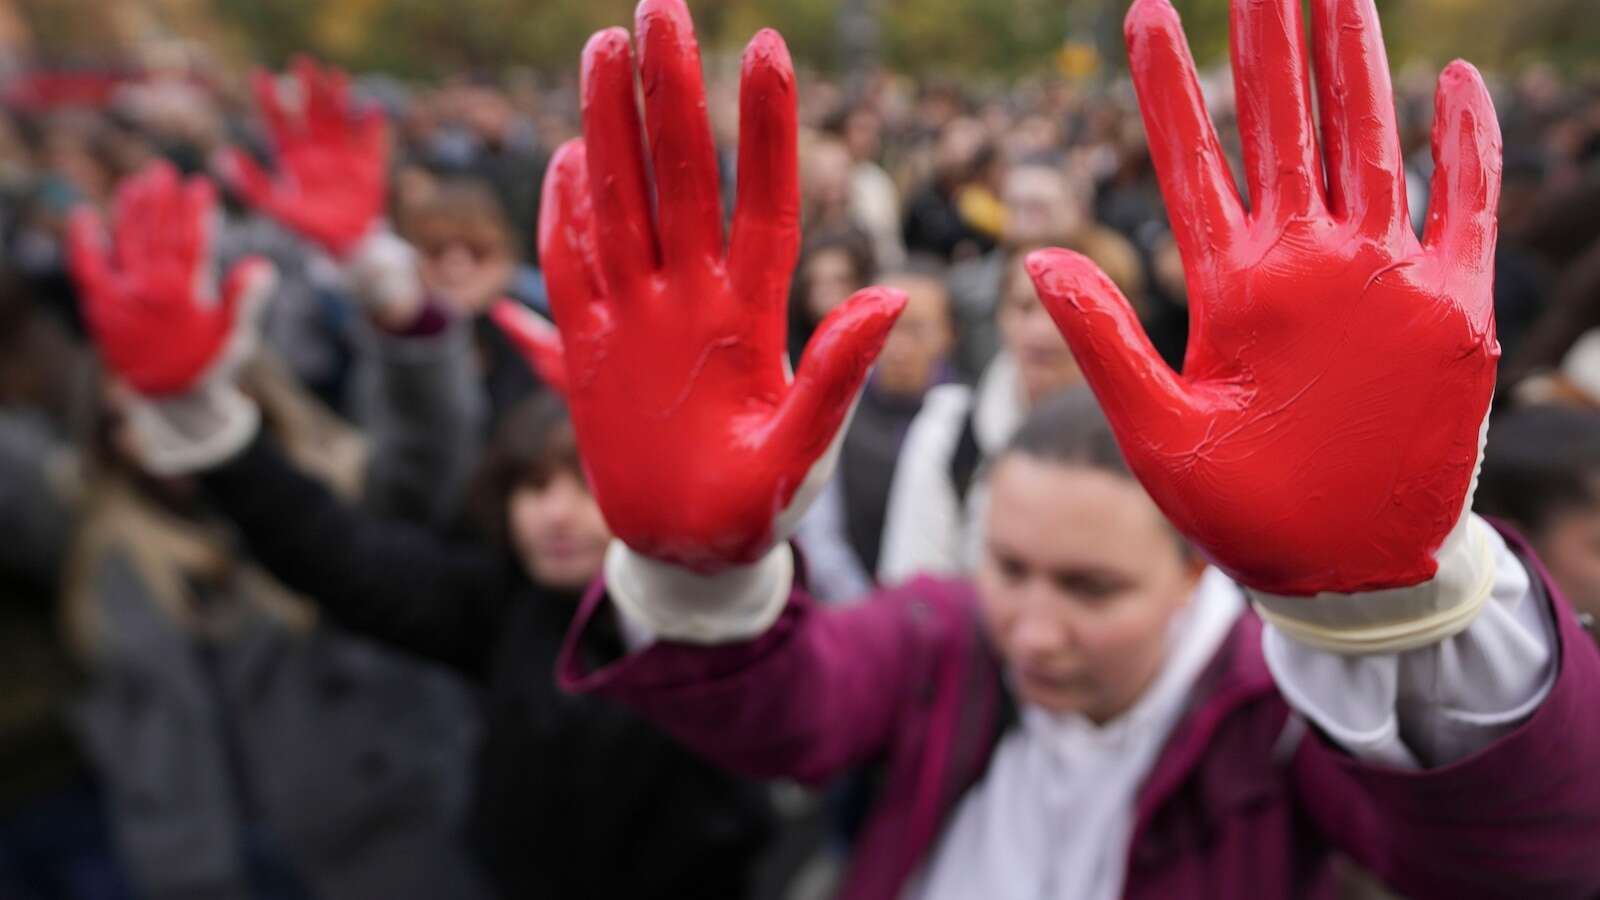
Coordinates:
[536,339]
[150,298]
[694,439]
[1325,430]
[333,160]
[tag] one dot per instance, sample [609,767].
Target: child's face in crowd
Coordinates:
[1026,330]
[466,263]
[1079,579]
[831,278]
[920,339]
[1570,549]
[558,532]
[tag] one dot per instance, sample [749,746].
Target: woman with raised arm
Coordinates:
[1334,655]
[565,785]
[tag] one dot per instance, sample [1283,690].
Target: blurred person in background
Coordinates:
[826,185]
[1541,473]
[842,535]
[55,833]
[834,263]
[935,220]
[562,785]
[248,748]
[466,260]
[874,197]
[1044,207]
[937,499]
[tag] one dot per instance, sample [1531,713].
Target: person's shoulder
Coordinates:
[945,404]
[937,426]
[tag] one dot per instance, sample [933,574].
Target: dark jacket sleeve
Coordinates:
[1520,818]
[425,410]
[392,581]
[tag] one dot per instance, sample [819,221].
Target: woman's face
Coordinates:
[1043,359]
[558,532]
[1079,578]
[919,340]
[830,279]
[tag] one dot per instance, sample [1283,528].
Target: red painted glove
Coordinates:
[333,160]
[694,439]
[1326,429]
[536,339]
[150,298]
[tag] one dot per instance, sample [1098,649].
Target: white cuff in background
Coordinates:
[1395,619]
[381,272]
[193,431]
[674,604]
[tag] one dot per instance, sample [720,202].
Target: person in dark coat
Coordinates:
[567,786]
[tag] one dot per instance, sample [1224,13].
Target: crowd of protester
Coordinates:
[324,670]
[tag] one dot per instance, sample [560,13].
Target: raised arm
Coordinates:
[1322,442]
[700,448]
[168,333]
[420,400]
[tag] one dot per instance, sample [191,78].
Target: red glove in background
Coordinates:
[150,298]
[694,440]
[536,339]
[1326,429]
[333,160]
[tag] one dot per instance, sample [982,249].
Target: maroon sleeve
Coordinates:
[1520,818]
[820,691]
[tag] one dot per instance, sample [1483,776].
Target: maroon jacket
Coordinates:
[1232,808]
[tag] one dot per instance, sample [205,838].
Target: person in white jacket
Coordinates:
[940,490]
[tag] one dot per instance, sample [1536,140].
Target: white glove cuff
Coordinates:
[1396,619]
[675,604]
[381,272]
[193,431]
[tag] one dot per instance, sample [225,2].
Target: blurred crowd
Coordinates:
[212,692]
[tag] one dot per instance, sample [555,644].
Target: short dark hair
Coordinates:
[1069,427]
[1540,462]
[532,443]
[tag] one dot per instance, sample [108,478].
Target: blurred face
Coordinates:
[919,340]
[826,178]
[1079,579]
[558,532]
[467,263]
[1570,548]
[830,279]
[1026,330]
[1042,206]
[959,144]
[861,134]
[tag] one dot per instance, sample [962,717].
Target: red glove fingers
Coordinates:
[612,143]
[1359,135]
[693,438]
[690,224]
[765,243]
[536,339]
[1274,109]
[1202,204]
[1325,429]
[150,297]
[1461,227]
[332,159]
